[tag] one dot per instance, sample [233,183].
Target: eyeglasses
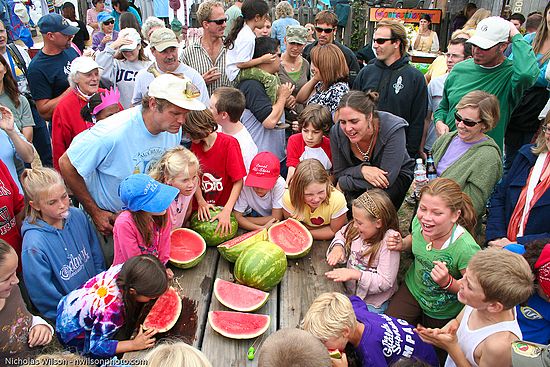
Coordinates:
[326,30]
[109,22]
[381,41]
[545,129]
[217,21]
[466,122]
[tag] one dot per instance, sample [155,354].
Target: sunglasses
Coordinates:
[466,122]
[217,21]
[381,41]
[326,30]
[109,22]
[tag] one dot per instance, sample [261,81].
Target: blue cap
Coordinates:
[54,22]
[104,16]
[141,192]
[516,248]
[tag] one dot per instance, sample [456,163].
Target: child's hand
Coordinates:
[267,58]
[144,339]
[224,222]
[440,273]
[441,338]
[203,212]
[342,362]
[395,242]
[169,273]
[271,222]
[336,256]
[343,274]
[39,335]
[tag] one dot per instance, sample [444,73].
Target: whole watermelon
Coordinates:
[208,229]
[261,266]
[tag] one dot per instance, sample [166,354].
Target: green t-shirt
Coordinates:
[434,301]
[232,14]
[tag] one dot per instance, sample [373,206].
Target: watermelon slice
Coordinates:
[231,249]
[165,312]
[335,353]
[238,325]
[292,236]
[239,297]
[187,248]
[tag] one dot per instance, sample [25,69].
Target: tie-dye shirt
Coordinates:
[90,316]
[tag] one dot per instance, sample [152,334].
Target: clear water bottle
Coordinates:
[420,178]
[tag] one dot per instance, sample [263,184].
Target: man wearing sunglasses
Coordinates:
[325,29]
[208,55]
[401,86]
[490,71]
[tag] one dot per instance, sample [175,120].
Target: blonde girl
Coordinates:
[178,167]
[442,246]
[176,354]
[371,270]
[311,199]
[61,250]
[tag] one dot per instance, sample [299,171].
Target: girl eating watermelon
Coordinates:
[88,318]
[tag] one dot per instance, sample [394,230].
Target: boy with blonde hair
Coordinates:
[378,339]
[495,281]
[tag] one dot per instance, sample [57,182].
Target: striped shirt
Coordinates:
[196,56]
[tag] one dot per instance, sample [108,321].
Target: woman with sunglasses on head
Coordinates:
[467,155]
[106,32]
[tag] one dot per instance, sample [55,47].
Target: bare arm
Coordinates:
[267,58]
[27,132]
[45,107]
[23,148]
[284,91]
[307,90]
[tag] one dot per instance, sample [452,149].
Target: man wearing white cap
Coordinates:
[128,142]
[489,70]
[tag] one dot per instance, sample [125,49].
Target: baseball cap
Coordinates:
[54,22]
[296,34]
[104,16]
[83,64]
[527,354]
[141,192]
[542,269]
[163,38]
[179,91]
[264,171]
[489,32]
[132,35]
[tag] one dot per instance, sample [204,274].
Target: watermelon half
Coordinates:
[292,236]
[165,312]
[207,229]
[238,325]
[231,249]
[239,297]
[187,248]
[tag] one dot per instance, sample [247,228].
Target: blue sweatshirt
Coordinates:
[57,261]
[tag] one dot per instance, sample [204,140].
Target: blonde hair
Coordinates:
[487,105]
[307,172]
[284,10]
[540,144]
[176,354]
[291,347]
[398,32]
[477,17]
[376,204]
[504,276]
[451,193]
[329,315]
[331,63]
[37,182]
[205,10]
[173,162]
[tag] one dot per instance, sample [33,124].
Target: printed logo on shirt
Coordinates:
[398,85]
[126,76]
[67,68]
[143,161]
[74,265]
[4,191]
[7,222]
[392,342]
[211,185]
[530,313]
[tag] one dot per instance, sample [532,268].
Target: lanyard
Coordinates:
[12,65]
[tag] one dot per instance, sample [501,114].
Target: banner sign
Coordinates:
[406,15]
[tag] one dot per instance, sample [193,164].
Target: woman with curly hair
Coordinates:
[283,18]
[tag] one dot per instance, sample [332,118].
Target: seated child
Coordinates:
[227,105]
[177,354]
[221,164]
[495,281]
[313,122]
[371,270]
[61,250]
[378,340]
[262,194]
[144,226]
[100,106]
[311,199]
[293,348]
[178,167]
[20,330]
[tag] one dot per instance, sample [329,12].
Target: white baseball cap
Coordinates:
[132,35]
[179,91]
[83,64]
[489,32]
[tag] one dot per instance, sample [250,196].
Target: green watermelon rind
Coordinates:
[232,253]
[193,262]
[301,227]
[177,312]
[207,229]
[227,304]
[238,336]
[261,266]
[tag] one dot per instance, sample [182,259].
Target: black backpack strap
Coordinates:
[18,58]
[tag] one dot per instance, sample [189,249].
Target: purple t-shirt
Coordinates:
[456,149]
[386,339]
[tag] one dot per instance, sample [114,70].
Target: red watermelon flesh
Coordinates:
[239,297]
[187,248]
[238,325]
[165,312]
[292,236]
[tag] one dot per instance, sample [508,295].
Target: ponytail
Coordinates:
[249,10]
[238,24]
[468,215]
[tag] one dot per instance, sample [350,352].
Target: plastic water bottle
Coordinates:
[420,178]
[431,171]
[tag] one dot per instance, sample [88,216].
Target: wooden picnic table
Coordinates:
[287,304]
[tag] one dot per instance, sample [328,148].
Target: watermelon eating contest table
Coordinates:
[287,304]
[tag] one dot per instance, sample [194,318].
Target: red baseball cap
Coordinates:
[542,267]
[264,171]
